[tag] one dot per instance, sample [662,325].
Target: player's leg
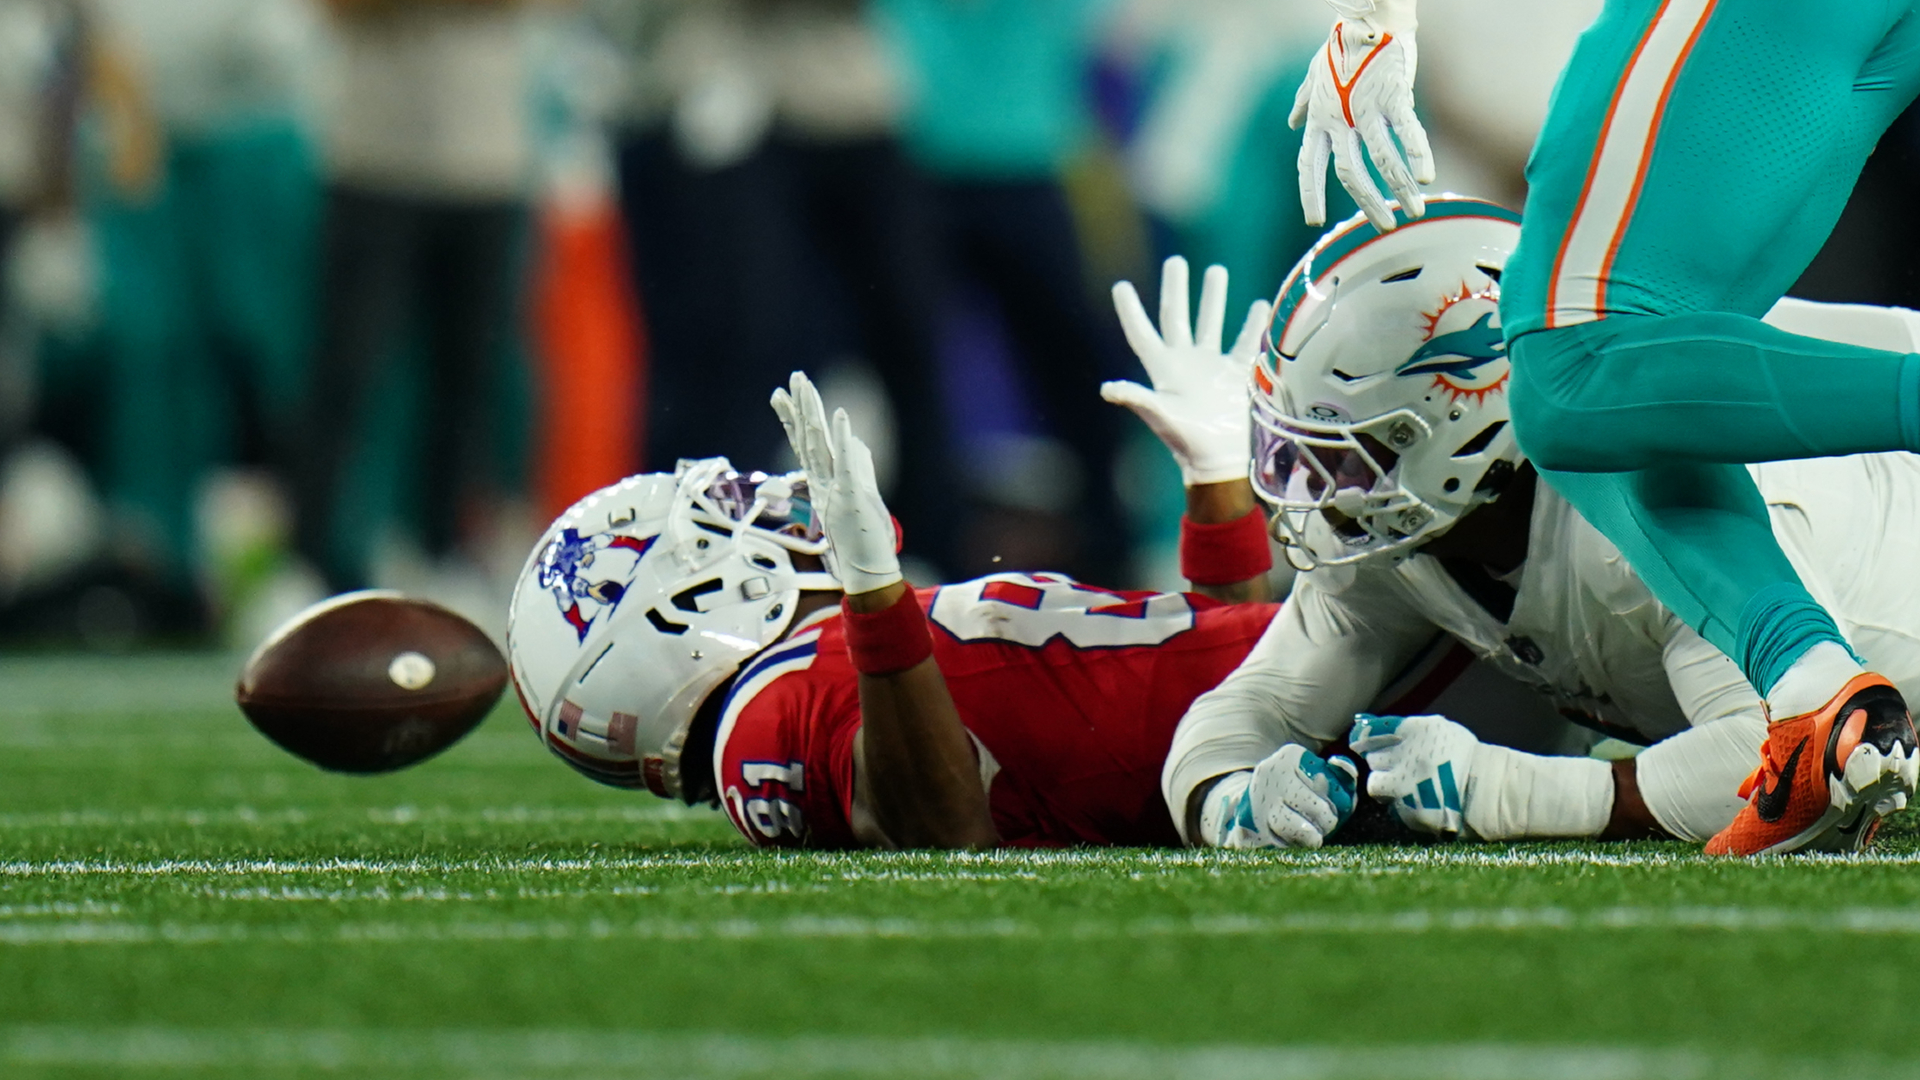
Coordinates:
[466,285]
[1697,154]
[368,243]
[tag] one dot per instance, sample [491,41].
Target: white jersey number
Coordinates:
[1033,609]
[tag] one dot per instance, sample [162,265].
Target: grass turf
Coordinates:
[180,898]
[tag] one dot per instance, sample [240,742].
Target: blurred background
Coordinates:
[309,295]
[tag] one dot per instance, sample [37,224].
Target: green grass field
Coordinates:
[179,898]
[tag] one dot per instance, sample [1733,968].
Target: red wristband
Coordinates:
[1227,553]
[888,641]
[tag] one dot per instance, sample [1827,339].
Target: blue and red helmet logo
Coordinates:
[582,596]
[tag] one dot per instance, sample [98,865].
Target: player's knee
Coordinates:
[1549,429]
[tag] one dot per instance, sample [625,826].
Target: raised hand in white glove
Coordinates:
[1198,404]
[1359,92]
[1420,767]
[1295,798]
[864,552]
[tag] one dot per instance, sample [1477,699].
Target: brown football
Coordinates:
[370,682]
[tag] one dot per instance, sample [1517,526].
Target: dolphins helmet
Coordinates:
[644,598]
[1380,406]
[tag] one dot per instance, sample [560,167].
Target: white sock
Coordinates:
[1812,680]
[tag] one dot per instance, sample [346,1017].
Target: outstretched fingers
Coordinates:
[1392,168]
[1176,325]
[1352,171]
[1315,148]
[1253,332]
[851,454]
[1142,338]
[1207,329]
[1413,139]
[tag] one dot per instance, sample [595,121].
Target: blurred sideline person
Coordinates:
[428,164]
[996,109]
[766,191]
[682,634]
[1383,442]
[199,192]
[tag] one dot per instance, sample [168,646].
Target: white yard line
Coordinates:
[1873,922]
[552,1052]
[964,866]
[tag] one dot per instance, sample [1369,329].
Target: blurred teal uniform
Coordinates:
[997,88]
[203,317]
[1696,155]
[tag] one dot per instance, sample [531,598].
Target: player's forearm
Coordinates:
[916,760]
[1519,796]
[1223,504]
[1631,819]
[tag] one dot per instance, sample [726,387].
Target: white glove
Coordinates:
[1359,89]
[864,553]
[1419,766]
[1295,798]
[1198,405]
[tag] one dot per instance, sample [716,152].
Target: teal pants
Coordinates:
[203,322]
[1695,157]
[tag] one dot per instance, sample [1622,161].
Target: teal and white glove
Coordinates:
[1420,767]
[1439,778]
[1198,404]
[1295,798]
[1359,93]
[863,550]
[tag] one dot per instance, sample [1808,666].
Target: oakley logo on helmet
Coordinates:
[563,572]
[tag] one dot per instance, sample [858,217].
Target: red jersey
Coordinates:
[1071,693]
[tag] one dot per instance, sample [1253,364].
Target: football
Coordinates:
[369,682]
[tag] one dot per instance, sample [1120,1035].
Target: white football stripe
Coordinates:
[962,865]
[545,1052]
[1577,292]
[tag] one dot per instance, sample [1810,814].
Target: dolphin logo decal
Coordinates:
[1458,353]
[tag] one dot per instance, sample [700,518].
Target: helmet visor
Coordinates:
[1317,464]
[778,504]
[1342,473]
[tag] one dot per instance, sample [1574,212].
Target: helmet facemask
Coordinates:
[1334,487]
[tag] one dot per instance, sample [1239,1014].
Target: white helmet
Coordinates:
[642,599]
[1380,407]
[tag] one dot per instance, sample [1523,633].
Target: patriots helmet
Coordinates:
[1380,406]
[645,597]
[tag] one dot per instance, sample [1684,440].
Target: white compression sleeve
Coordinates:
[1691,782]
[1511,795]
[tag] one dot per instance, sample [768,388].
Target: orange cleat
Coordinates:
[1827,777]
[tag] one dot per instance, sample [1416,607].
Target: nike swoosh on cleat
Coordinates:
[1772,805]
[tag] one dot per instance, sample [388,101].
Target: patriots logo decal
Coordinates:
[564,569]
[1465,351]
